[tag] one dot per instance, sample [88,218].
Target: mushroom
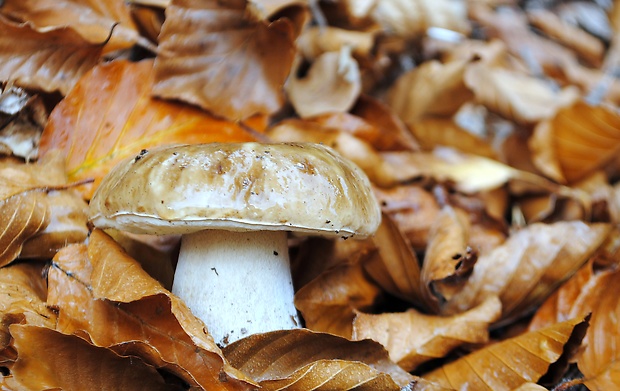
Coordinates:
[233,204]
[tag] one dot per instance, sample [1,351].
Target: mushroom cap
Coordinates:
[299,187]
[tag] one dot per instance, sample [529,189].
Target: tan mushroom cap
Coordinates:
[298,187]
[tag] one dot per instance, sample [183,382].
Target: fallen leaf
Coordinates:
[98,23]
[109,117]
[22,118]
[394,266]
[508,364]
[328,302]
[411,19]
[412,208]
[448,260]
[516,96]
[587,46]
[51,60]
[305,360]
[48,359]
[578,140]
[224,47]
[413,338]
[23,293]
[433,89]
[525,269]
[316,40]
[105,296]
[331,85]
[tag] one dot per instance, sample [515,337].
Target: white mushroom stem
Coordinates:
[238,283]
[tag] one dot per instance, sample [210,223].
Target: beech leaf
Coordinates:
[509,364]
[47,359]
[109,117]
[579,139]
[413,338]
[224,47]
[305,360]
[23,293]
[525,269]
[102,293]
[97,22]
[331,85]
[51,60]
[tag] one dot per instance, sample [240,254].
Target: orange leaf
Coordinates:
[48,359]
[227,62]
[105,296]
[110,116]
[509,364]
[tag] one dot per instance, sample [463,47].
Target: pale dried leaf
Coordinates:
[413,338]
[432,89]
[412,18]
[52,60]
[224,47]
[316,40]
[508,364]
[331,85]
[281,358]
[528,267]
[516,96]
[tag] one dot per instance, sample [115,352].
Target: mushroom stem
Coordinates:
[238,283]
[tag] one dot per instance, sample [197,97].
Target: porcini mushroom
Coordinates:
[234,203]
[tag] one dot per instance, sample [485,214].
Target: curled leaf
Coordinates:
[413,338]
[332,84]
[305,360]
[509,364]
[225,47]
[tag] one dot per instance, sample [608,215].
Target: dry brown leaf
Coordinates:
[527,268]
[412,208]
[578,140]
[434,132]
[316,40]
[394,266]
[413,338]
[225,47]
[432,89]
[328,302]
[509,364]
[97,22]
[595,292]
[23,293]
[26,198]
[48,360]
[105,296]
[109,116]
[412,18]
[22,118]
[51,60]
[448,260]
[572,36]
[300,360]
[331,85]
[395,135]
[516,96]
